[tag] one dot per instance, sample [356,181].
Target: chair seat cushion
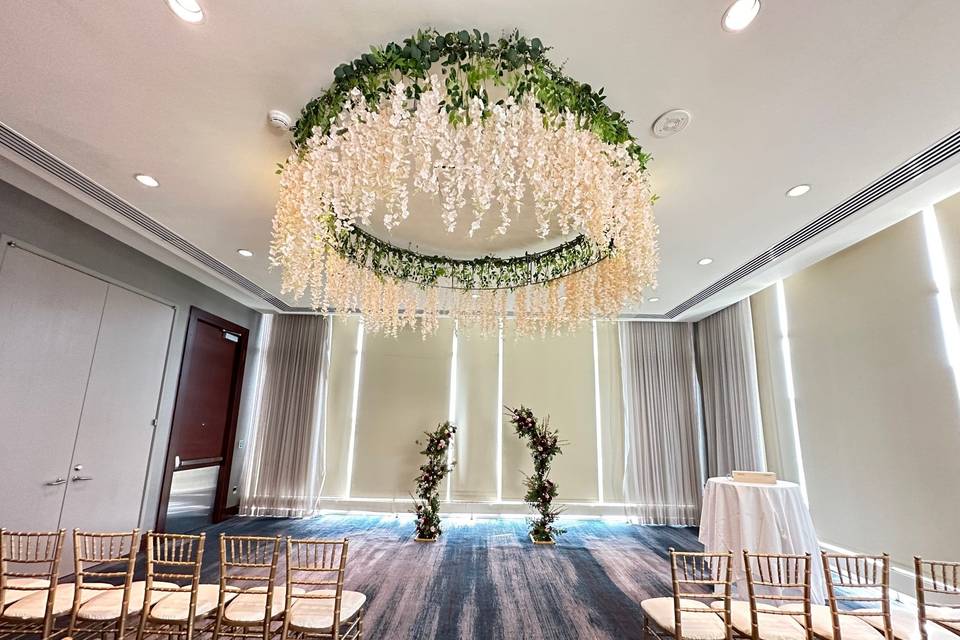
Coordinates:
[108,604]
[694,625]
[851,628]
[943,614]
[250,606]
[176,606]
[906,626]
[34,606]
[771,626]
[24,588]
[316,614]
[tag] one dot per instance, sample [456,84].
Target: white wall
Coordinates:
[34,222]
[876,401]
[404,388]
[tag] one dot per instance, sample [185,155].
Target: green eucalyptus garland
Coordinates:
[488,272]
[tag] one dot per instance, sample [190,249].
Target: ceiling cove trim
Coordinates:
[57,168]
[913,168]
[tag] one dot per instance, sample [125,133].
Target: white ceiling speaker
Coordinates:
[279,120]
[671,123]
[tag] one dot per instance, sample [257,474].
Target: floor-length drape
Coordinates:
[662,422]
[285,468]
[731,399]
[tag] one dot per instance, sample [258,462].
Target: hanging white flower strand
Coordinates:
[501,159]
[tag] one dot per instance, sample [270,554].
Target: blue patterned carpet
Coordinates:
[485,579]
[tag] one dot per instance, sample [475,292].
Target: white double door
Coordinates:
[81,370]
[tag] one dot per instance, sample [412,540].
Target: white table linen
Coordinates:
[760,518]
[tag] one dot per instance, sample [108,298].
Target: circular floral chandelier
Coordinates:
[484,128]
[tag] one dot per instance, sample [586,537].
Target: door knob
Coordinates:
[81,478]
[54,483]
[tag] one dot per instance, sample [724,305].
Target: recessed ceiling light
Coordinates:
[704,261]
[798,190]
[246,253]
[653,299]
[147,181]
[186,10]
[475,296]
[740,14]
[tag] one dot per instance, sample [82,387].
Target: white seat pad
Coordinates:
[316,614]
[176,606]
[851,628]
[250,607]
[12,595]
[771,626]
[694,625]
[33,607]
[107,605]
[906,626]
[953,626]
[943,614]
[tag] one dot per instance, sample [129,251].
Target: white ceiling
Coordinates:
[830,93]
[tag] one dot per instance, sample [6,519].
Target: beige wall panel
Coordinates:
[477,415]
[876,401]
[339,403]
[611,410]
[772,384]
[404,391]
[554,377]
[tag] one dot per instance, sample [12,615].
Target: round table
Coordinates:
[760,518]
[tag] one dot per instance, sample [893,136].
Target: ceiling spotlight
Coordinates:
[653,299]
[798,190]
[186,10]
[147,181]
[671,123]
[246,253]
[704,261]
[740,14]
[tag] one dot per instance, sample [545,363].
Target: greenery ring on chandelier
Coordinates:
[474,122]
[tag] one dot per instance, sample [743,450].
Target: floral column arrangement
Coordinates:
[432,472]
[544,446]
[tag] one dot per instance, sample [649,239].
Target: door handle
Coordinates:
[81,478]
[54,483]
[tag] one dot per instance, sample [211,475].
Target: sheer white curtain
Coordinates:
[731,399]
[662,420]
[285,469]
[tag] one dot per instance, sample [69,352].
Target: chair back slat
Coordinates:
[30,555]
[858,585]
[315,571]
[700,576]
[942,579]
[779,579]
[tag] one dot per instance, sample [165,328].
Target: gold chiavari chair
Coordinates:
[778,592]
[99,560]
[942,579]
[172,560]
[29,566]
[317,604]
[250,601]
[858,589]
[696,576]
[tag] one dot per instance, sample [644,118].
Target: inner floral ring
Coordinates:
[485,273]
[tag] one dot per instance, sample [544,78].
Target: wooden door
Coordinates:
[109,467]
[49,321]
[208,401]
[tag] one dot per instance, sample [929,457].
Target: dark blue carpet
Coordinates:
[486,580]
